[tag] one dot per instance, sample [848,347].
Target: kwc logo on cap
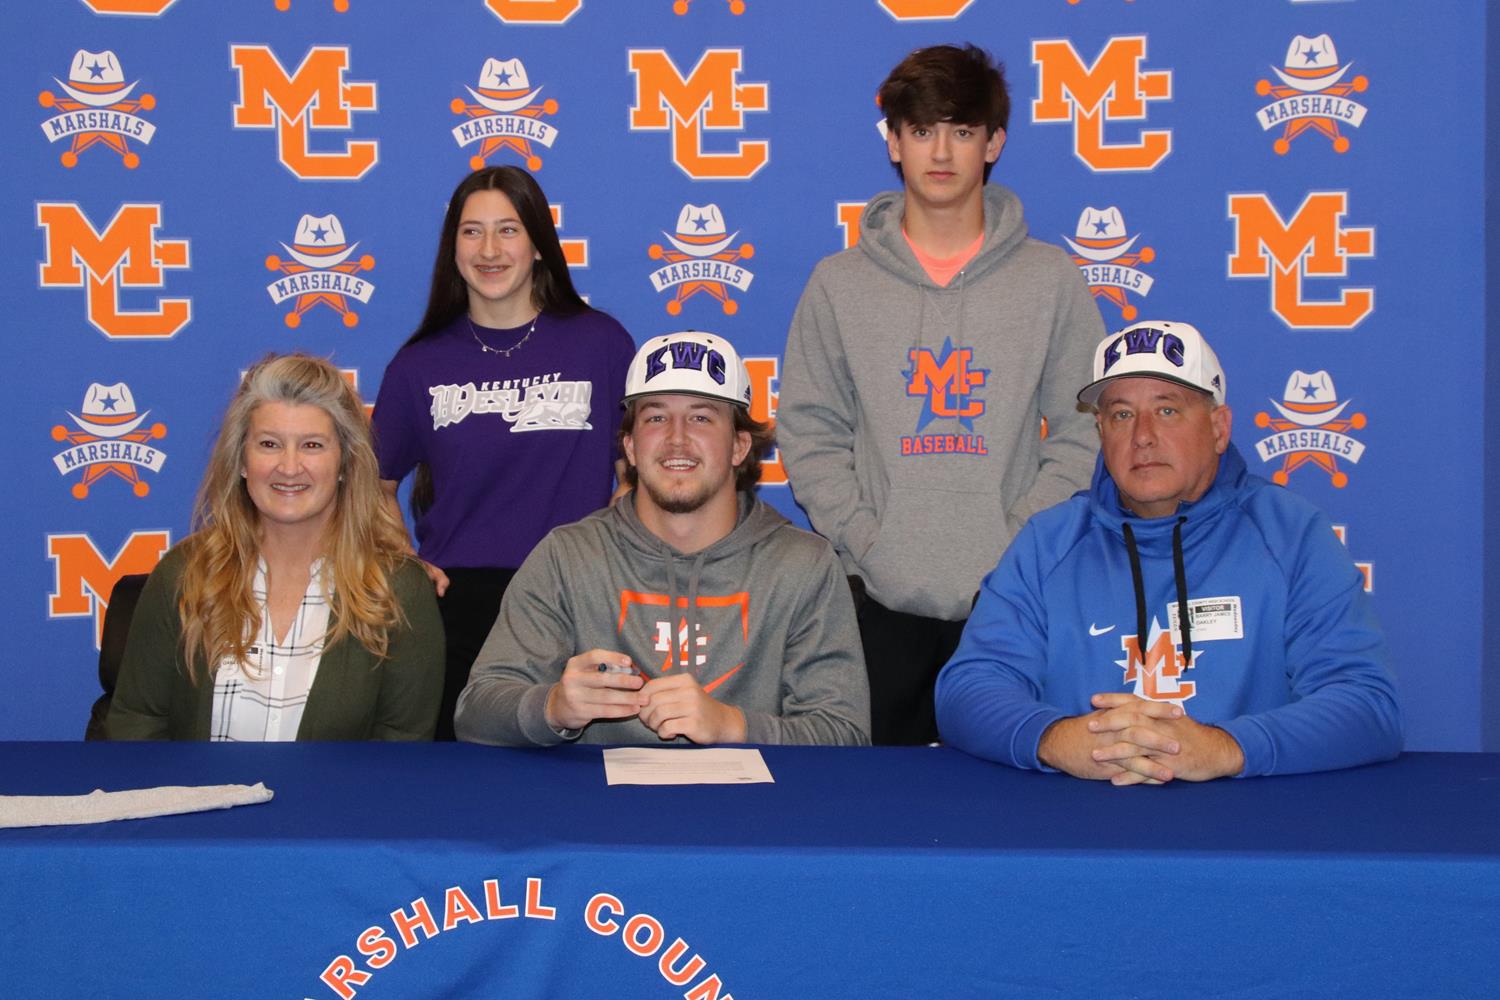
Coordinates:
[1314,243]
[1310,429]
[84,579]
[1113,89]
[320,271]
[701,258]
[126,255]
[710,97]
[505,114]
[1311,95]
[96,109]
[109,440]
[315,97]
[1105,252]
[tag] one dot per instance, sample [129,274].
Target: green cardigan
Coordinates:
[354,696]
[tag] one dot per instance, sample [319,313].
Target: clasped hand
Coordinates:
[1132,741]
[671,706]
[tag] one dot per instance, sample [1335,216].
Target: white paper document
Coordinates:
[662,766]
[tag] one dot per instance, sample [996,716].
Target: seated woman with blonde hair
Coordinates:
[292,611]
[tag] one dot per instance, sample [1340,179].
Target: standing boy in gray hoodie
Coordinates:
[689,610]
[921,369]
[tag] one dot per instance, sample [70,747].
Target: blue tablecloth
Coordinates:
[907,873]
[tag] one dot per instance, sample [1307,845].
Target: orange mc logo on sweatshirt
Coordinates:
[316,96]
[1113,88]
[126,254]
[1312,244]
[709,97]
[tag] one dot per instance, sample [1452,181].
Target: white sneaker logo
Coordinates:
[1096,630]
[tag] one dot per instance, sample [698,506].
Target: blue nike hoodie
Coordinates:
[1282,651]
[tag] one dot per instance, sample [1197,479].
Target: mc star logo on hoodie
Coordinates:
[945,381]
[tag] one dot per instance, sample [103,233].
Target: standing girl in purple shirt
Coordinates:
[504,402]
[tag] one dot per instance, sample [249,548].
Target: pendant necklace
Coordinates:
[503,352]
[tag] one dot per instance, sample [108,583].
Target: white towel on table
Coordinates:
[100,806]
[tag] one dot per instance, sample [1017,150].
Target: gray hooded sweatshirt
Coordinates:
[910,414]
[767,609]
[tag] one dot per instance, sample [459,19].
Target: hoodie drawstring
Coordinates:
[1179,574]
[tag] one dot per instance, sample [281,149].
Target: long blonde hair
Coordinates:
[363,545]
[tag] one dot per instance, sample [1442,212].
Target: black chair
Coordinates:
[117,615]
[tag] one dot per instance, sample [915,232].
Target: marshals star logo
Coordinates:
[320,271]
[1310,429]
[96,109]
[109,441]
[1107,256]
[1155,673]
[701,259]
[505,114]
[946,384]
[1312,95]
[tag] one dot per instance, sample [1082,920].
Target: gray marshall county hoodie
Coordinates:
[763,618]
[910,414]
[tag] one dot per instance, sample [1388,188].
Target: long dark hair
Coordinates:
[551,285]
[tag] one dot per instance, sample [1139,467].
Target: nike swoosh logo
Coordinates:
[1095,630]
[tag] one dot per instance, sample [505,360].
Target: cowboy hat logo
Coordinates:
[1311,95]
[320,271]
[108,439]
[504,113]
[1106,255]
[96,109]
[1310,428]
[701,258]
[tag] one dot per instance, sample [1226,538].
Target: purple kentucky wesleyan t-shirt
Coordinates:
[517,445]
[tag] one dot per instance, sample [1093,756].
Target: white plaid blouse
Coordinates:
[263,699]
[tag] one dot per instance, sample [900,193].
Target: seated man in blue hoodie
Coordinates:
[689,610]
[1183,618]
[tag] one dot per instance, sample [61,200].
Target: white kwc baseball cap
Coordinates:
[689,363]
[1175,352]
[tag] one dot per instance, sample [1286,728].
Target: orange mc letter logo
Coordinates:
[1157,675]
[765,376]
[85,579]
[925,10]
[937,380]
[707,98]
[1312,244]
[533,11]
[127,254]
[135,8]
[1114,88]
[316,96]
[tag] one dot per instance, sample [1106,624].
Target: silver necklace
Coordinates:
[503,352]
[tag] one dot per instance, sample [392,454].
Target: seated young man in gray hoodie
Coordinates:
[687,611]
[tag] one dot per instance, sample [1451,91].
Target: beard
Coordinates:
[680,502]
